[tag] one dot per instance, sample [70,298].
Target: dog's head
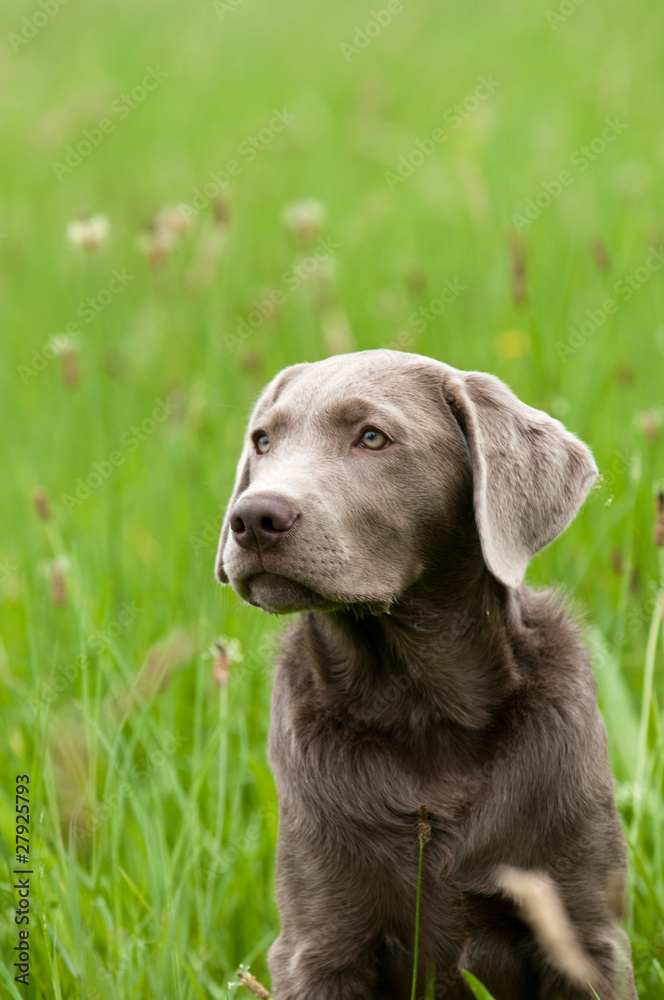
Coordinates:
[359,471]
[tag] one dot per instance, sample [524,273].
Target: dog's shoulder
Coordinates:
[547,638]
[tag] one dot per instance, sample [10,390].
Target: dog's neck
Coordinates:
[442,653]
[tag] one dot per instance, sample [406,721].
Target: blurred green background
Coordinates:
[480,184]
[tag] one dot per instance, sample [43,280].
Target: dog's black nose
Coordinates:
[259,522]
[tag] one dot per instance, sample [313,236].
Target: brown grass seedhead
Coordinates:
[70,369]
[41,504]
[600,255]
[58,585]
[251,983]
[415,280]
[423,826]
[220,212]
[519,290]
[251,361]
[625,374]
[659,523]
[221,664]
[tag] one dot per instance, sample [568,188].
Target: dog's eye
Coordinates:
[371,438]
[261,442]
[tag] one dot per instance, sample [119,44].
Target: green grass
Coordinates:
[478,990]
[152,826]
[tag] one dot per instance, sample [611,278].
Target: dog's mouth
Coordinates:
[280,595]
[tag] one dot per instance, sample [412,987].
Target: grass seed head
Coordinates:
[423,826]
[58,577]
[221,664]
[41,504]
[70,369]
[659,523]
[220,212]
[600,255]
[250,983]
[519,290]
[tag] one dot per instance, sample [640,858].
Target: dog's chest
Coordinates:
[359,786]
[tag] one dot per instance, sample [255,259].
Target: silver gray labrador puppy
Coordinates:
[396,501]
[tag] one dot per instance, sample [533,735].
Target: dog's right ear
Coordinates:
[241,484]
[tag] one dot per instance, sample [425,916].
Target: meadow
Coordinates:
[274,183]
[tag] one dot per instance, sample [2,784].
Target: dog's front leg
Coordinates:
[318,967]
[327,948]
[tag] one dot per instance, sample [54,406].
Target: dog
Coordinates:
[395,502]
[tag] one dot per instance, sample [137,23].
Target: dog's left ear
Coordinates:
[530,475]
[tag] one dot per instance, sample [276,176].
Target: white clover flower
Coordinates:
[174,221]
[649,422]
[231,646]
[62,343]
[305,217]
[166,229]
[90,233]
